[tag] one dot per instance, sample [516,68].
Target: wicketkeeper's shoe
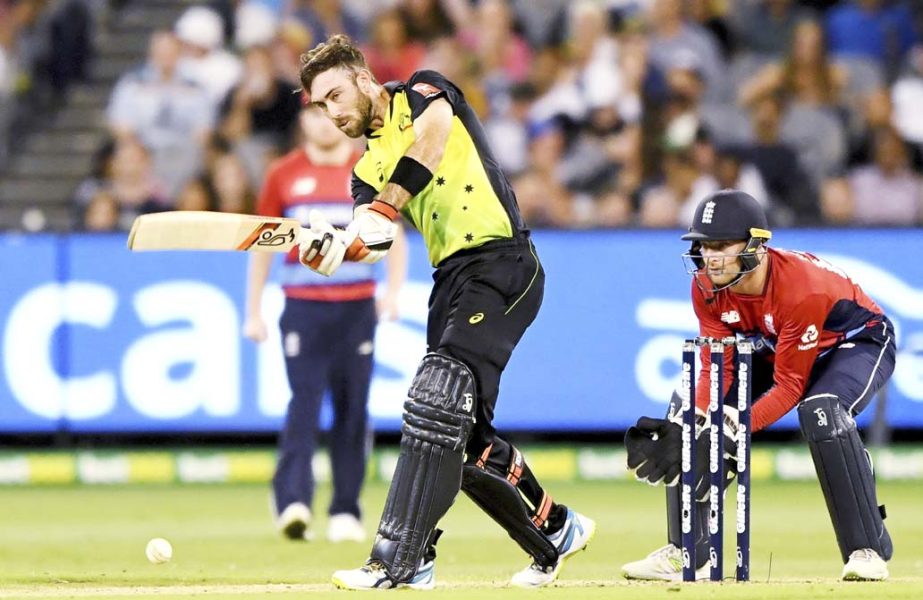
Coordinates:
[373,576]
[569,540]
[345,527]
[865,565]
[663,564]
[295,521]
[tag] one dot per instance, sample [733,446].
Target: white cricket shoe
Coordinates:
[344,527]
[570,539]
[424,578]
[663,564]
[373,576]
[295,522]
[865,565]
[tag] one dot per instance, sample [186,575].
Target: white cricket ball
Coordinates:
[159,551]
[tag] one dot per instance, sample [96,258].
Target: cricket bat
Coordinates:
[207,230]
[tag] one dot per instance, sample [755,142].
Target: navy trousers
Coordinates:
[327,347]
[853,371]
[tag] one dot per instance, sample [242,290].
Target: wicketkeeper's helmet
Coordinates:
[729,215]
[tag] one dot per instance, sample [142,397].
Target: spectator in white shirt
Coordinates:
[171,116]
[205,61]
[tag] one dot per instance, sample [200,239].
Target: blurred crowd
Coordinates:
[45,46]
[619,113]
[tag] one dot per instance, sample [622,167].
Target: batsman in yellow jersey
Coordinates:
[427,159]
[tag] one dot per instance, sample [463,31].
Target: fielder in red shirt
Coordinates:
[327,330]
[820,344]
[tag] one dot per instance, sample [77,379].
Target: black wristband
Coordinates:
[411,175]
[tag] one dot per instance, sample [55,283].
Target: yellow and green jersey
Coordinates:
[469,201]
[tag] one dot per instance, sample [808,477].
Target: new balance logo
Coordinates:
[468,403]
[731,316]
[709,213]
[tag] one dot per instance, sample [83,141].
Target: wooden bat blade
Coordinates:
[205,230]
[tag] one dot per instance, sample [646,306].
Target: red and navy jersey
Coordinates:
[807,307]
[293,188]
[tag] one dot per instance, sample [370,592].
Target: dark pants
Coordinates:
[327,346]
[853,371]
[480,306]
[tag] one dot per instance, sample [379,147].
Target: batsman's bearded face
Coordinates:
[337,92]
[722,264]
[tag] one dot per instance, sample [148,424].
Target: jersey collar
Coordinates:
[392,87]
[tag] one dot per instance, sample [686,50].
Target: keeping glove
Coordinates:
[371,232]
[654,447]
[323,246]
[729,431]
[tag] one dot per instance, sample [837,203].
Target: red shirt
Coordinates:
[807,307]
[293,187]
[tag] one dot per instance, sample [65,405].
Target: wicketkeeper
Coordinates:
[821,345]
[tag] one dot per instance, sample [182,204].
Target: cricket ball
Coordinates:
[158,551]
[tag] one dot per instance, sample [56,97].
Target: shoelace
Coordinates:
[540,569]
[667,552]
[863,554]
[376,568]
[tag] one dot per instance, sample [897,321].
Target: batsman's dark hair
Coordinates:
[337,51]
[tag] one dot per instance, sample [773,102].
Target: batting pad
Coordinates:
[845,473]
[438,418]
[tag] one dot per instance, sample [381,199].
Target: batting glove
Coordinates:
[371,233]
[323,247]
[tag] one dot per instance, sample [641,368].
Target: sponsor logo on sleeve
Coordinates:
[426,90]
[809,338]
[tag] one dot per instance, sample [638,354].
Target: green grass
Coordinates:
[88,542]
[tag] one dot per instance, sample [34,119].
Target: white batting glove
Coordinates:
[323,247]
[371,233]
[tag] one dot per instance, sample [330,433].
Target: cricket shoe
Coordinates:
[569,540]
[345,527]
[295,521]
[663,564]
[865,565]
[373,576]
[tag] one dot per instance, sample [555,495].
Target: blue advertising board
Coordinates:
[98,339]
